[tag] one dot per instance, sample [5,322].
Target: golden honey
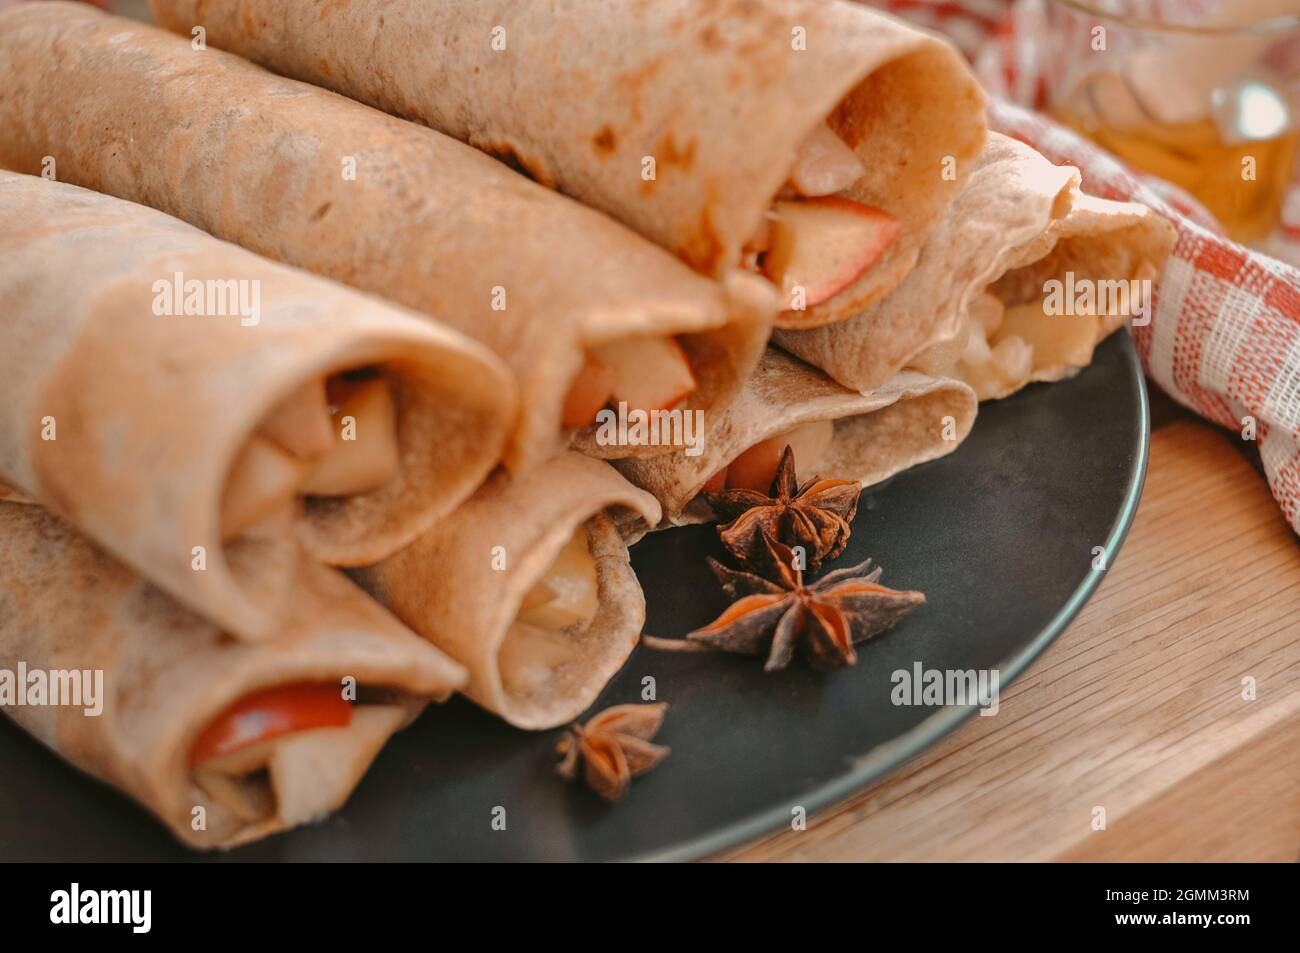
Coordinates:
[1242,184]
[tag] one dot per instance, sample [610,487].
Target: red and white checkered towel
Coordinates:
[1224,337]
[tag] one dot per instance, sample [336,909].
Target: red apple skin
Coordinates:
[843,268]
[716,483]
[589,392]
[755,468]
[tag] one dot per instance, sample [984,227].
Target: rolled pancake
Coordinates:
[1018,222]
[66,605]
[309,178]
[130,423]
[463,586]
[722,95]
[875,435]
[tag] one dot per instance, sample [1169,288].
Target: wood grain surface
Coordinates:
[1137,709]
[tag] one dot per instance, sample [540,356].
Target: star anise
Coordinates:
[614,747]
[814,515]
[824,619]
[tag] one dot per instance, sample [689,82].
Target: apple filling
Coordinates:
[563,601]
[998,349]
[755,468]
[290,751]
[813,242]
[645,373]
[332,437]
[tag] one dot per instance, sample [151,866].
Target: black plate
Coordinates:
[1000,536]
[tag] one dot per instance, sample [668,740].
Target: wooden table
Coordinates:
[1137,708]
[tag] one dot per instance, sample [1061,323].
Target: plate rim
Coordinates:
[896,752]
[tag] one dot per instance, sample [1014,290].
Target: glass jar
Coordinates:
[1199,92]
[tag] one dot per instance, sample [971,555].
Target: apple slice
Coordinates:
[312,772]
[537,596]
[245,760]
[589,392]
[824,245]
[755,468]
[825,164]
[249,799]
[650,373]
[529,656]
[263,479]
[1057,339]
[569,592]
[372,458]
[301,421]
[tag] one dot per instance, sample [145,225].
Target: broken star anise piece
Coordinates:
[824,619]
[614,747]
[814,516]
